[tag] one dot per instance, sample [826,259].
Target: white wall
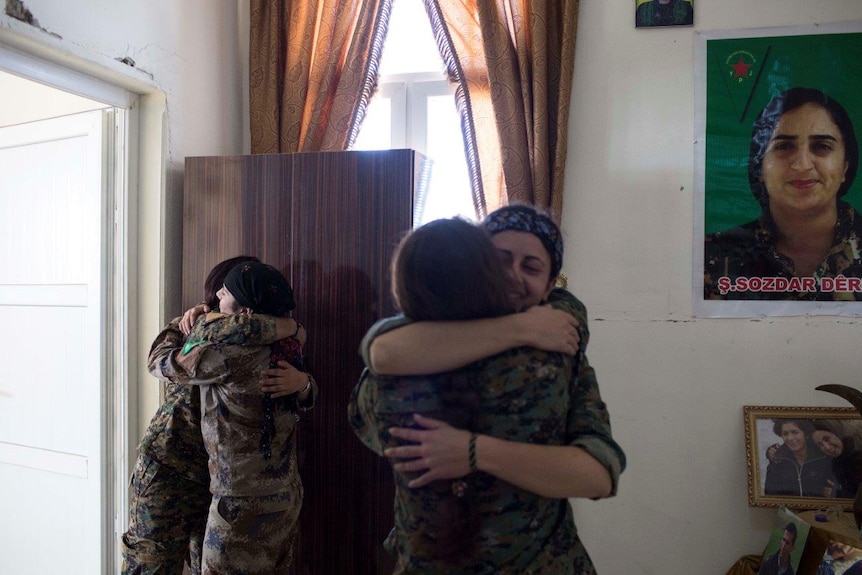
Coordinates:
[675,385]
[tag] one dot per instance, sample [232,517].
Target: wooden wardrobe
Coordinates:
[330,222]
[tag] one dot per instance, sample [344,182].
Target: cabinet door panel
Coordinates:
[330,221]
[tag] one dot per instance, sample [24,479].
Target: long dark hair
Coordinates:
[449,270]
[767,121]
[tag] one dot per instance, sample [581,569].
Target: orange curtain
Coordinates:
[312,71]
[513,63]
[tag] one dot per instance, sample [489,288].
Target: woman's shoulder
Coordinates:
[849,219]
[564,300]
[732,252]
[745,233]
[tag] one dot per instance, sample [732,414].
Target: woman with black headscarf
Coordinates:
[249,435]
[170,485]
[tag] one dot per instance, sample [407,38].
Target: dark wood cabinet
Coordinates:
[330,221]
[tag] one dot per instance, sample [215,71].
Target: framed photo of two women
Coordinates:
[803,457]
[778,118]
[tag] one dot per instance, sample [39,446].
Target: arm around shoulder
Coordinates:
[428,347]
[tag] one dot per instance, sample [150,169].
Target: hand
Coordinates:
[551,329]
[771,451]
[829,491]
[439,449]
[283,380]
[189,318]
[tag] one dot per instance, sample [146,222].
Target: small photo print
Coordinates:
[650,13]
[840,559]
[786,543]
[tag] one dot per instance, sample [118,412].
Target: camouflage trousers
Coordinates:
[167,518]
[251,535]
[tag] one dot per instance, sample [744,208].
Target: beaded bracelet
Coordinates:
[472,453]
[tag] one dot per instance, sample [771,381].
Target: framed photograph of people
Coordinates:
[803,457]
[652,13]
[778,229]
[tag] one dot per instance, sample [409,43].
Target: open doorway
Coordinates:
[63,412]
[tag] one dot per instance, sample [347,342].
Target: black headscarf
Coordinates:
[260,287]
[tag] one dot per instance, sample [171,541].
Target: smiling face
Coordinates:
[794,438]
[529,266]
[805,164]
[829,443]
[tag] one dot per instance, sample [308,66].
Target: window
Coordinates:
[415,108]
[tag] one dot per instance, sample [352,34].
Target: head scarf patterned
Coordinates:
[524,218]
[260,287]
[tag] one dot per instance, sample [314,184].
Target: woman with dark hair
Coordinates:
[807,242]
[841,442]
[436,525]
[474,283]
[797,468]
[540,433]
[170,486]
[249,435]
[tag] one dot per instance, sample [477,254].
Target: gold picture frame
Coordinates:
[775,475]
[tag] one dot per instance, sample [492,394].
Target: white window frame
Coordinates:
[408,95]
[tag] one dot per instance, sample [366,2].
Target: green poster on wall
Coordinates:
[780,203]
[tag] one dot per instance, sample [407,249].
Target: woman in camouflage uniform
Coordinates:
[170,486]
[541,433]
[249,435]
[474,286]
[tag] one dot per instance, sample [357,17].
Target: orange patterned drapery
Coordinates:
[312,71]
[513,63]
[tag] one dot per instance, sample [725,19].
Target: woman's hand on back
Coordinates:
[439,450]
[191,315]
[283,380]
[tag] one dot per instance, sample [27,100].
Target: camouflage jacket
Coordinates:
[524,395]
[224,356]
[173,437]
[733,257]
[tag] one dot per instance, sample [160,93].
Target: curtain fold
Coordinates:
[312,71]
[513,62]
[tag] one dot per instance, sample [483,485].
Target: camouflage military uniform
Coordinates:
[748,251]
[255,499]
[524,395]
[170,486]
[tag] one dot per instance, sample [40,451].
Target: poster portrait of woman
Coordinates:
[781,227]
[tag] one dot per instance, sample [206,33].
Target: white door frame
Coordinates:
[138,185]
